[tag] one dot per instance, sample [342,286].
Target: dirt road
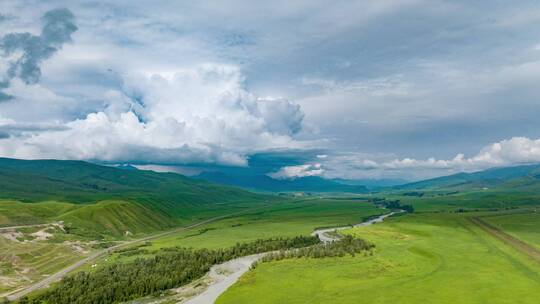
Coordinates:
[507,238]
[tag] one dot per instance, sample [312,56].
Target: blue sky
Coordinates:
[354,89]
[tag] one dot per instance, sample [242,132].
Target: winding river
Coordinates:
[224,275]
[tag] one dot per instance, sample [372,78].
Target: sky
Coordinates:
[350,89]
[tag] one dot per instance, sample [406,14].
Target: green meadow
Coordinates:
[421,258]
[439,254]
[285,219]
[299,217]
[524,226]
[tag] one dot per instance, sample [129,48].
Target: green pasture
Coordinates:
[294,218]
[524,226]
[286,219]
[424,258]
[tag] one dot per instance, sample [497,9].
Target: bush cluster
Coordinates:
[346,245]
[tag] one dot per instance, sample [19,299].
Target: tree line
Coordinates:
[393,204]
[169,268]
[346,245]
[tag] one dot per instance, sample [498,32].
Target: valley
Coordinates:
[445,236]
[269,152]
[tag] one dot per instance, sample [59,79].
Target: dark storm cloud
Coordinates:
[58,26]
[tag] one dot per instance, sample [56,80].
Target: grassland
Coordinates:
[449,200]
[285,219]
[524,226]
[430,258]
[14,213]
[104,219]
[107,201]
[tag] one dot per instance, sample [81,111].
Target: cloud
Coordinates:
[393,86]
[517,150]
[513,151]
[4,96]
[203,114]
[4,135]
[18,129]
[294,172]
[25,51]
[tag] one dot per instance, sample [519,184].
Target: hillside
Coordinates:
[110,200]
[82,182]
[507,178]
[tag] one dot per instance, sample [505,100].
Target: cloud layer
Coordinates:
[383,88]
[513,151]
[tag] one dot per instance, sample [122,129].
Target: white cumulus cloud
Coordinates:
[202,114]
[294,172]
[517,150]
[508,152]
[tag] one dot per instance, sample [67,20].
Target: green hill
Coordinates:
[115,218]
[82,182]
[500,178]
[110,200]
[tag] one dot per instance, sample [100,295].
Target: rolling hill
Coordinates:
[110,200]
[506,178]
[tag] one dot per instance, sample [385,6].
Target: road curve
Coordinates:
[223,276]
[28,226]
[60,274]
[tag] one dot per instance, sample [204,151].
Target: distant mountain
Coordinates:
[262,182]
[373,184]
[525,176]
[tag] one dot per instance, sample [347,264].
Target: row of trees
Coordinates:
[346,245]
[169,268]
[393,204]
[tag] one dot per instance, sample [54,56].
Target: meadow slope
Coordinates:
[430,258]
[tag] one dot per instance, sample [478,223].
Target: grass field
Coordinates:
[14,213]
[110,219]
[447,200]
[286,219]
[524,226]
[441,255]
[429,258]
